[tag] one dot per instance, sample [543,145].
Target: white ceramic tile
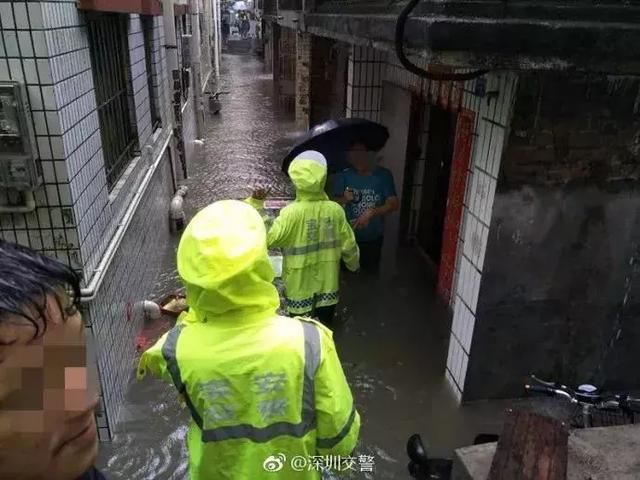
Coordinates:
[15,68]
[475,289]
[39,123]
[456,323]
[39,43]
[11,43]
[4,70]
[20,15]
[53,123]
[48,172]
[35,98]
[26,46]
[61,172]
[49,98]
[450,353]
[30,72]
[44,71]
[463,371]
[469,327]
[65,194]
[496,154]
[57,147]
[35,15]
[52,198]
[6,16]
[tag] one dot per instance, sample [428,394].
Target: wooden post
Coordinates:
[531,447]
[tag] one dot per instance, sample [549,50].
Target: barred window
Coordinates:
[150,52]
[109,46]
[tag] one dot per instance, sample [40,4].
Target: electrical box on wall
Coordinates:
[18,168]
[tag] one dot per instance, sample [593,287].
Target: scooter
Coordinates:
[214,101]
[421,467]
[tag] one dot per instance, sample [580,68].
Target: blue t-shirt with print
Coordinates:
[370,191]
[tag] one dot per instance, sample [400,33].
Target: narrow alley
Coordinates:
[494,181]
[393,348]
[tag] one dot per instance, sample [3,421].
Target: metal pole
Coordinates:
[216,43]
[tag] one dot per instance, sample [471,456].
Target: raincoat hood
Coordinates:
[224,263]
[308,172]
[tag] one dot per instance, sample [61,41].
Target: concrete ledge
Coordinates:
[609,453]
[504,43]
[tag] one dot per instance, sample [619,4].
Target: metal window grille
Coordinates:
[149,47]
[183,27]
[108,43]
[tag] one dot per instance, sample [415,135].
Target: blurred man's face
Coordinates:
[359,157]
[47,426]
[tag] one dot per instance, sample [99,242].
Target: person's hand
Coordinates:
[348,195]
[260,193]
[363,220]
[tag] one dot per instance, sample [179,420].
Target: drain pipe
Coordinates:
[176,210]
[196,66]
[90,291]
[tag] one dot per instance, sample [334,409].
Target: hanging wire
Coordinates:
[406,63]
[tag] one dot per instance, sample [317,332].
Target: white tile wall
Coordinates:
[492,117]
[73,220]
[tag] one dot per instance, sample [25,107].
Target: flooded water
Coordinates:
[393,348]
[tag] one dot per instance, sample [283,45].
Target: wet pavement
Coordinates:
[394,348]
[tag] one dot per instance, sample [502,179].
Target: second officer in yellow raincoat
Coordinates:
[261,389]
[314,235]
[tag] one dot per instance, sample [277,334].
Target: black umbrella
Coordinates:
[334,137]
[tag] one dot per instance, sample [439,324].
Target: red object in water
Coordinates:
[455,202]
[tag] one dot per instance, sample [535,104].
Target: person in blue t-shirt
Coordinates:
[368,194]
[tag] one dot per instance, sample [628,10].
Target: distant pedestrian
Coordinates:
[47,424]
[368,193]
[225,29]
[314,236]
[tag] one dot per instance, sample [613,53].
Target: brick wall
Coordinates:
[571,128]
[303,80]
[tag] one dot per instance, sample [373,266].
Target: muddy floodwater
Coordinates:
[392,335]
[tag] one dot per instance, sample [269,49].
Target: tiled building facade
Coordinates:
[537,157]
[91,212]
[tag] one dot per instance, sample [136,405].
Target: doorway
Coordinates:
[435,183]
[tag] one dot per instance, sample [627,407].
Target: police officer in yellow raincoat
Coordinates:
[261,389]
[314,235]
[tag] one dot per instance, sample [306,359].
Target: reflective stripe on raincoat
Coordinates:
[259,387]
[314,235]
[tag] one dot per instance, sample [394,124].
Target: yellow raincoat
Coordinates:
[261,389]
[314,235]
